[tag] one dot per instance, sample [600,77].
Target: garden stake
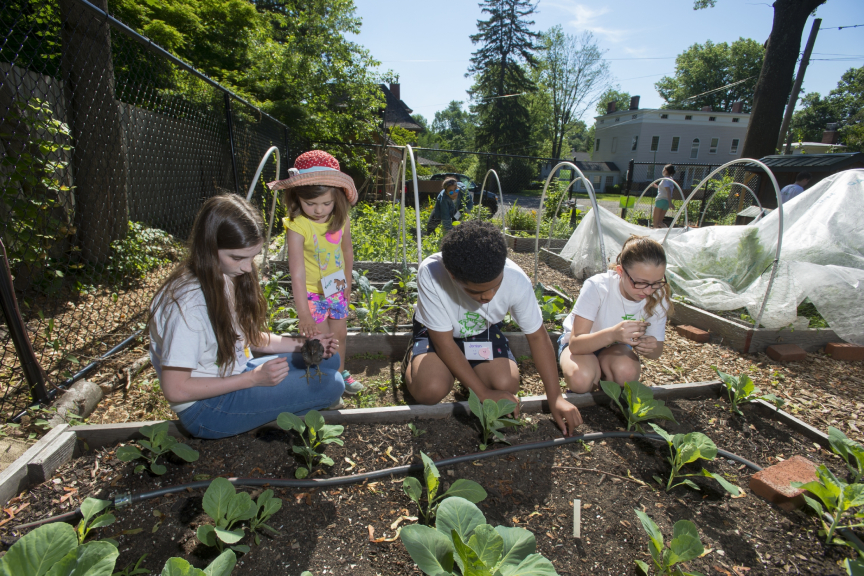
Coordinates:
[577,518]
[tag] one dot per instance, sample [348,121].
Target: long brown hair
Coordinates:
[644,250]
[341,207]
[224,223]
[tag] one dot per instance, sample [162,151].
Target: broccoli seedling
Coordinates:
[641,405]
[742,390]
[314,434]
[850,451]
[90,521]
[686,448]
[685,546]
[158,443]
[226,507]
[467,489]
[265,507]
[415,432]
[491,415]
[838,498]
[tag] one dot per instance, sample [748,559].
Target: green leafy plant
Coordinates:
[685,546]
[517,219]
[265,507]
[838,499]
[641,405]
[405,282]
[687,448]
[222,565]
[54,549]
[462,537]
[372,303]
[89,509]
[142,250]
[850,451]
[553,308]
[158,443]
[315,434]
[275,294]
[467,489]
[133,569]
[415,432]
[491,415]
[741,390]
[226,507]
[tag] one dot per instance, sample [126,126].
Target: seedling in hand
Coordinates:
[641,405]
[467,489]
[313,353]
[265,507]
[686,448]
[315,434]
[226,507]
[491,415]
[850,451]
[685,546]
[742,390]
[158,443]
[838,498]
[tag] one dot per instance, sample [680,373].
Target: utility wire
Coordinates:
[842,27]
[720,88]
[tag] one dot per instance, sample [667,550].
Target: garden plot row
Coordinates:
[356,528]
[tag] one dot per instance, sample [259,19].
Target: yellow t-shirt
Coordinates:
[322,250]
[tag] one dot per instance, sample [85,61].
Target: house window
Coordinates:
[664,116]
[634,116]
[614,144]
[635,142]
[694,149]
[596,181]
[602,121]
[688,117]
[675,141]
[734,149]
[597,145]
[655,143]
[617,119]
[736,119]
[713,148]
[712,119]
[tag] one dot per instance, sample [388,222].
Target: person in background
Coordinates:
[665,189]
[450,205]
[793,190]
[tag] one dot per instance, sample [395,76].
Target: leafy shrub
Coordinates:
[553,308]
[315,434]
[687,448]
[685,546]
[518,219]
[375,232]
[142,250]
[275,294]
[742,390]
[840,500]
[468,489]
[158,443]
[372,303]
[491,415]
[641,405]
[461,535]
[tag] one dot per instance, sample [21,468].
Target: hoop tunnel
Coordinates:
[500,195]
[273,150]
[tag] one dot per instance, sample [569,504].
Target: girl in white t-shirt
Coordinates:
[619,316]
[209,317]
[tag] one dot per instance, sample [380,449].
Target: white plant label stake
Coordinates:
[577,518]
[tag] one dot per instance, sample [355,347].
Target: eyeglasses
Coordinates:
[643,285]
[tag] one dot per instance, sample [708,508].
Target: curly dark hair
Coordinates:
[475,251]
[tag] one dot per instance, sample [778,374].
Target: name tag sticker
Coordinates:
[478,350]
[334,283]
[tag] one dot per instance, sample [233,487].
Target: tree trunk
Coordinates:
[775,79]
[99,153]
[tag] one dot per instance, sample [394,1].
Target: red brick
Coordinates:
[692,333]
[844,351]
[786,352]
[774,483]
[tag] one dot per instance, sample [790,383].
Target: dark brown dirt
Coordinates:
[327,530]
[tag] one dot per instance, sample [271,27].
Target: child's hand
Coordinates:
[630,331]
[645,345]
[307,326]
[331,344]
[271,372]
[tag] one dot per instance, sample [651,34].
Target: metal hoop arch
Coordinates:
[273,150]
[500,194]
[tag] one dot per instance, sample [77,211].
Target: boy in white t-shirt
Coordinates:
[464,292]
[619,316]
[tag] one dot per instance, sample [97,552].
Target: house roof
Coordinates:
[427,162]
[814,162]
[596,166]
[397,113]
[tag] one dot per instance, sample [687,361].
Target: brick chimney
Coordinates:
[829,136]
[610,108]
[394,88]
[737,107]
[634,103]
[706,109]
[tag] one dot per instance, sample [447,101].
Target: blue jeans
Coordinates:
[243,410]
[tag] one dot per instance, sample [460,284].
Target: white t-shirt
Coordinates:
[601,300]
[442,305]
[665,189]
[182,337]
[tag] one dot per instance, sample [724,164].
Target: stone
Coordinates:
[693,333]
[844,351]
[786,353]
[774,483]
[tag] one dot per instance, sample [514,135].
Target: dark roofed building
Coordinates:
[396,112]
[786,167]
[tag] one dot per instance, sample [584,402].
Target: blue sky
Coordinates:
[428,44]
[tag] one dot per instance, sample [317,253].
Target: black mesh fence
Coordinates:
[108,147]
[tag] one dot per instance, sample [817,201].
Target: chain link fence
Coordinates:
[109,145]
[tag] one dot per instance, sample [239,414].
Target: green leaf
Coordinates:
[37,551]
[467,489]
[506,407]
[206,534]
[693,446]
[185,452]
[139,468]
[151,431]
[728,486]
[458,514]
[241,507]
[431,475]
[490,412]
[128,453]
[474,405]
[158,469]
[222,565]
[242,548]
[431,550]
[92,506]
[533,565]
[665,435]
[180,567]
[642,566]
[685,542]
[288,421]
[301,473]
[412,488]
[91,559]
[229,536]
[854,567]
[487,544]
[314,420]
[102,521]
[518,544]
[217,497]
[654,534]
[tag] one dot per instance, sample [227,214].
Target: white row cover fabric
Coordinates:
[728,267]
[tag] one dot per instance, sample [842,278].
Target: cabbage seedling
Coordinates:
[686,448]
[850,451]
[314,433]
[641,405]
[158,443]
[461,536]
[226,507]
[265,507]
[838,498]
[468,489]
[742,390]
[685,546]
[89,509]
[54,549]
[491,415]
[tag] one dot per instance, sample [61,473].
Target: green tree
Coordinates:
[842,106]
[613,94]
[703,68]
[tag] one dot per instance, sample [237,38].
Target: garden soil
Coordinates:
[331,531]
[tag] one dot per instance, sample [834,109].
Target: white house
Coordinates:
[660,137]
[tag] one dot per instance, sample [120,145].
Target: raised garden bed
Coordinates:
[328,530]
[526,244]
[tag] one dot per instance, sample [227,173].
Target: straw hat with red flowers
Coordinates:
[317,168]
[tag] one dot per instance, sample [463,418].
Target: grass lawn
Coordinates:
[602,196]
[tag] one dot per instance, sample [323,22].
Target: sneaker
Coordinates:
[352,386]
[338,405]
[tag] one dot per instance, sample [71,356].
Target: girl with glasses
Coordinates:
[619,316]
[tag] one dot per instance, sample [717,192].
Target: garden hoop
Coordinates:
[708,202]
[657,181]
[500,195]
[275,152]
[407,152]
[555,217]
[779,224]
[590,188]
